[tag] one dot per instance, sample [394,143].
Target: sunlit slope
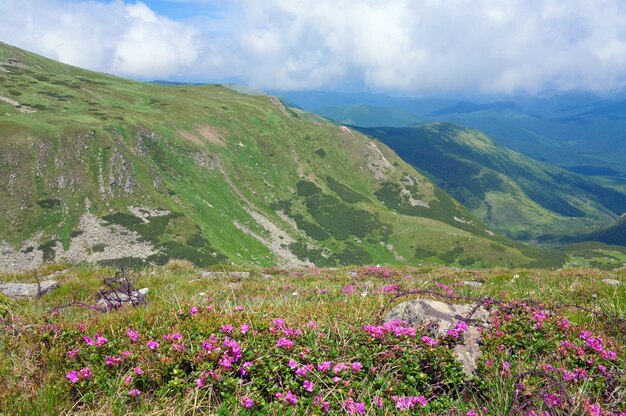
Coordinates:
[100,168]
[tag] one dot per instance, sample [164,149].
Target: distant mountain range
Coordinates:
[579,131]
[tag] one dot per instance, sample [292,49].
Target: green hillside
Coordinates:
[100,168]
[510,192]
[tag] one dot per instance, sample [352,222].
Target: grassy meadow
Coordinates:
[312,341]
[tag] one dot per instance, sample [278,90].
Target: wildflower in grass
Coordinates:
[278,323]
[293,364]
[552,400]
[304,370]
[356,367]
[404,403]
[244,328]
[112,361]
[353,407]
[100,341]
[179,347]
[336,379]
[429,341]
[338,368]
[324,366]
[349,289]
[138,371]
[288,397]
[89,341]
[85,373]
[244,368]
[173,337]
[239,308]
[448,290]
[125,354]
[81,327]
[133,335]
[506,369]
[71,354]
[378,401]
[153,345]
[284,343]
[73,376]
[201,382]
[247,402]
[226,329]
[308,385]
[193,310]
[312,325]
[209,308]
[128,380]
[233,347]
[609,355]
[563,323]
[471,413]
[585,334]
[324,405]
[134,392]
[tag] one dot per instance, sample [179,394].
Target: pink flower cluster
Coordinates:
[397,327]
[75,376]
[408,402]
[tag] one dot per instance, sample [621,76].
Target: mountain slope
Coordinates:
[100,168]
[508,191]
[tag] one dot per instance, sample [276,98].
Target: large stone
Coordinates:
[28,290]
[439,317]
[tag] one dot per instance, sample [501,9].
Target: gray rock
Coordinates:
[612,282]
[441,316]
[239,275]
[28,290]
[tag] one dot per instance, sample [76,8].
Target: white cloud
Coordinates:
[127,39]
[410,46]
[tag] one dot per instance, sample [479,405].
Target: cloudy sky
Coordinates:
[411,47]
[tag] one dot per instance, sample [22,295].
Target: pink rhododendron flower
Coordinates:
[324,405]
[71,354]
[85,373]
[354,408]
[247,402]
[112,361]
[404,403]
[324,366]
[284,343]
[133,335]
[72,376]
[429,341]
[356,367]
[288,397]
